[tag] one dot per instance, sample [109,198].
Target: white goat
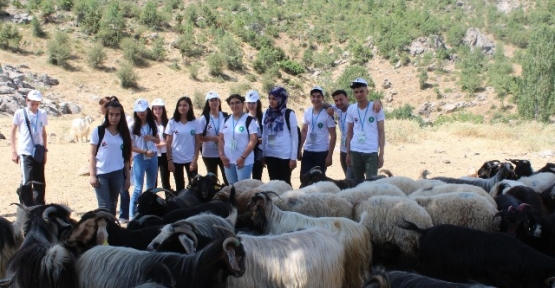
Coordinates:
[80,128]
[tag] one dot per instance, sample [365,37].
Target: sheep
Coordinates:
[406,184]
[366,190]
[539,182]
[505,172]
[80,128]
[356,239]
[315,204]
[458,254]
[401,279]
[42,260]
[240,186]
[503,186]
[316,175]
[107,266]
[464,209]
[385,213]
[450,188]
[11,238]
[244,197]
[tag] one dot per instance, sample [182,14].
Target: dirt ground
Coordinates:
[446,152]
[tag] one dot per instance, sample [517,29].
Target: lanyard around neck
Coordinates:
[314,121]
[362,120]
[216,126]
[235,124]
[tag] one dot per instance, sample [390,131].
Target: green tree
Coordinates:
[36,28]
[536,99]
[127,75]
[59,49]
[112,25]
[150,16]
[88,14]
[422,78]
[158,51]
[471,65]
[96,56]
[351,73]
[9,37]
[216,64]
[134,51]
[232,51]
[500,73]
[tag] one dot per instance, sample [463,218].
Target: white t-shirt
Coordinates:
[36,123]
[365,129]
[183,142]
[109,157]
[162,149]
[210,149]
[277,147]
[237,130]
[317,136]
[139,140]
[342,123]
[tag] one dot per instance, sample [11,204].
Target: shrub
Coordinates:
[112,25]
[291,67]
[59,50]
[232,51]
[127,75]
[193,72]
[134,51]
[9,37]
[88,14]
[216,64]
[173,4]
[158,50]
[422,78]
[323,60]
[96,56]
[308,57]
[267,57]
[462,116]
[188,47]
[36,28]
[198,100]
[150,16]
[47,8]
[405,113]
[361,54]
[4,4]
[65,4]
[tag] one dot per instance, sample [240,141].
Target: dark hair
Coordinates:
[339,92]
[149,120]
[122,128]
[206,109]
[237,96]
[190,113]
[164,116]
[259,113]
[104,101]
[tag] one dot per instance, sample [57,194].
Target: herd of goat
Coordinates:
[492,229]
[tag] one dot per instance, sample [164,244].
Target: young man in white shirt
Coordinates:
[29,133]
[365,134]
[317,134]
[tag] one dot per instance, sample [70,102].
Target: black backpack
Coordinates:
[207,117]
[287,113]
[247,122]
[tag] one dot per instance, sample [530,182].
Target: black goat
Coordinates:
[549,167]
[461,254]
[100,227]
[127,267]
[401,279]
[201,190]
[215,207]
[42,260]
[488,169]
[11,238]
[505,172]
[522,167]
[316,175]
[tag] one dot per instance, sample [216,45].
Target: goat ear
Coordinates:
[102,233]
[83,232]
[229,246]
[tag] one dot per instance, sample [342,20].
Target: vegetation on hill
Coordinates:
[295,38]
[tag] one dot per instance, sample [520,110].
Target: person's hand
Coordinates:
[329,161]
[94,181]
[225,160]
[127,183]
[45,157]
[330,111]
[292,164]
[348,159]
[377,106]
[171,167]
[193,166]
[380,161]
[240,163]
[15,157]
[150,153]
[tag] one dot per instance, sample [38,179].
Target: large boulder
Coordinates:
[476,39]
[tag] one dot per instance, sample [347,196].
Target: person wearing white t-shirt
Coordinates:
[340,107]
[208,125]
[161,118]
[144,136]
[254,108]
[29,133]
[110,157]
[237,141]
[317,134]
[365,135]
[182,149]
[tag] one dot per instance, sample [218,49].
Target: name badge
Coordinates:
[272,140]
[361,138]
[343,141]
[313,137]
[233,144]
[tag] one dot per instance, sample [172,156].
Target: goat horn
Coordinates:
[47,212]
[521,206]
[185,242]
[108,215]
[265,193]
[156,190]
[511,208]
[231,253]
[7,281]
[25,208]
[186,228]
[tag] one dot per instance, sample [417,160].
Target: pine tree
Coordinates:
[537,90]
[112,25]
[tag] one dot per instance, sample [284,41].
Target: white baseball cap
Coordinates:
[212,95]
[252,96]
[140,105]
[157,102]
[317,88]
[359,82]
[34,95]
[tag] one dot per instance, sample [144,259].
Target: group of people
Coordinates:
[126,149]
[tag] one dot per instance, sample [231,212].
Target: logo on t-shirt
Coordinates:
[356,120]
[320,125]
[175,132]
[121,147]
[241,128]
[371,119]
[103,144]
[192,132]
[209,126]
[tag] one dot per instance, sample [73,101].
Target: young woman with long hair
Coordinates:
[161,118]
[208,125]
[238,136]
[145,154]
[254,108]
[182,148]
[110,157]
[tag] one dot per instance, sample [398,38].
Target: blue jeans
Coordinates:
[233,174]
[140,167]
[110,185]
[124,200]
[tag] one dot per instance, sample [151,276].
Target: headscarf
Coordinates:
[275,117]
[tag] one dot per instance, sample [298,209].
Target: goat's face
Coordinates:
[257,208]
[515,222]
[89,231]
[149,203]
[507,171]
[207,186]
[488,169]
[312,176]
[52,219]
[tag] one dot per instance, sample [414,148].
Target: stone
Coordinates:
[399,64]
[450,108]
[7,84]
[83,171]
[25,84]
[47,80]
[476,39]
[425,109]
[6,90]
[386,84]
[69,108]
[2,137]
[24,91]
